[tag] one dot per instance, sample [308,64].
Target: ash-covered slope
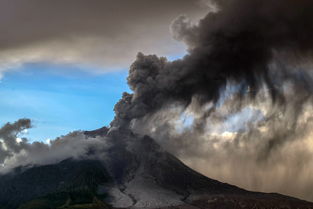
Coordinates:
[151,177]
[135,172]
[147,176]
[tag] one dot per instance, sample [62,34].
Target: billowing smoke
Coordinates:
[239,43]
[238,106]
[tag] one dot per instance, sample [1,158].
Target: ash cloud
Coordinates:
[237,43]
[252,143]
[245,54]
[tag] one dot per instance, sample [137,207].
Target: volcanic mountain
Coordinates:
[134,172]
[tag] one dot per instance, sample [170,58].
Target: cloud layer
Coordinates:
[101,33]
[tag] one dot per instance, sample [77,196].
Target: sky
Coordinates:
[61,98]
[64,64]
[58,103]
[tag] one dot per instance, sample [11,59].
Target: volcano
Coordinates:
[135,172]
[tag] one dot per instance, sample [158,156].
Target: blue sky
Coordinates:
[59,99]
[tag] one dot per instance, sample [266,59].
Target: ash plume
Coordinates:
[245,90]
[238,43]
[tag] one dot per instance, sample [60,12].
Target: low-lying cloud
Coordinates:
[16,151]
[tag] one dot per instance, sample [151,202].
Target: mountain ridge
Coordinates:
[136,173]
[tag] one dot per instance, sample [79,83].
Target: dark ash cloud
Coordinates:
[238,43]
[246,54]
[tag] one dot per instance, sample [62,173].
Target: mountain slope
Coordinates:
[135,172]
[67,177]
